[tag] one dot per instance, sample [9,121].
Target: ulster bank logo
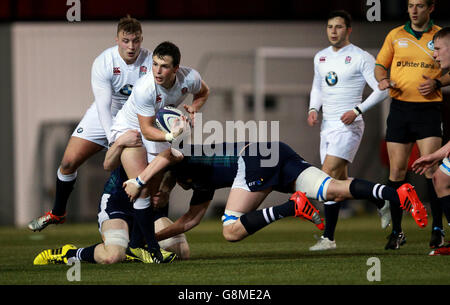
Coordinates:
[413,64]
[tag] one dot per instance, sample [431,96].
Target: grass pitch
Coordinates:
[277,255]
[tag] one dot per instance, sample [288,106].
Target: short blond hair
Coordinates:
[129,25]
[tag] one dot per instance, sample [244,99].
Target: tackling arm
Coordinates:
[131,138]
[160,162]
[186,222]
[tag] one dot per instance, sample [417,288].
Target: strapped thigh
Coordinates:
[229,217]
[118,237]
[314,183]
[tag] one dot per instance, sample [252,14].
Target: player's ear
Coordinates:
[349,30]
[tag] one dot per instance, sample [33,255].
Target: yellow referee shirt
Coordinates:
[409,58]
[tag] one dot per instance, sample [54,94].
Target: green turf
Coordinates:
[276,255]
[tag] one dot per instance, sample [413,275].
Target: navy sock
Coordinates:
[145,220]
[435,205]
[331,217]
[136,237]
[63,191]
[256,220]
[362,189]
[83,254]
[445,205]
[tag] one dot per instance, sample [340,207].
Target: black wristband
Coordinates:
[357,109]
[438,84]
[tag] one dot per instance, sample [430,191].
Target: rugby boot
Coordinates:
[395,241]
[323,244]
[385,214]
[437,238]
[152,256]
[304,209]
[444,250]
[410,202]
[40,223]
[53,256]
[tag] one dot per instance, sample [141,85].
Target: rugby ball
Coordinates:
[166,116]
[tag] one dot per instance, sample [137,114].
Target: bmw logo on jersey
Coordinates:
[331,78]
[126,90]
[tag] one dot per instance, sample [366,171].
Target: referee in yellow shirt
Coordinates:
[405,64]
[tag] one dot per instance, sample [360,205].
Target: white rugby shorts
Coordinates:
[340,140]
[121,125]
[90,128]
[239,180]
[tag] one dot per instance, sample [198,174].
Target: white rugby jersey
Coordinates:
[339,81]
[112,81]
[148,97]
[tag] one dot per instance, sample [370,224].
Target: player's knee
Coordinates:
[115,241]
[441,183]
[177,244]
[338,190]
[114,257]
[230,235]
[181,249]
[67,166]
[232,228]
[397,173]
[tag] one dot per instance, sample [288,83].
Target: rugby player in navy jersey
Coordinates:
[239,166]
[116,219]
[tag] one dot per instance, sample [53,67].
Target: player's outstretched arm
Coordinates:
[161,161]
[186,222]
[422,164]
[161,198]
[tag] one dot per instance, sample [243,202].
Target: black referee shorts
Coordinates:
[408,122]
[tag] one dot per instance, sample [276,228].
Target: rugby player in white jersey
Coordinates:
[170,84]
[341,72]
[114,73]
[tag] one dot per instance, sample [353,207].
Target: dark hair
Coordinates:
[168,48]
[129,25]
[343,14]
[444,32]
